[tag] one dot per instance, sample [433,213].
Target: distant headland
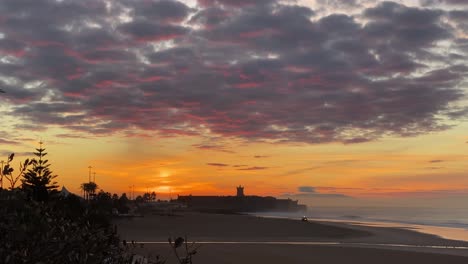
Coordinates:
[240,203]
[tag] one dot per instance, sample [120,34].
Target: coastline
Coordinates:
[445,232]
[244,237]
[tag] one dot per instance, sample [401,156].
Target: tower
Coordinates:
[240,191]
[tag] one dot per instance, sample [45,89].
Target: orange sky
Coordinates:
[432,165]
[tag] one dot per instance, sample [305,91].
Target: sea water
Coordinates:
[450,223]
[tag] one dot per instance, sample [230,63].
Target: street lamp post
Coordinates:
[1,175]
[89,177]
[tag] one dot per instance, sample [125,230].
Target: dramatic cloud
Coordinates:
[253,70]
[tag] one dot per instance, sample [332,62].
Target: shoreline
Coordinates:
[240,236]
[444,232]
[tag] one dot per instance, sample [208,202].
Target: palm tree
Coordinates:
[89,189]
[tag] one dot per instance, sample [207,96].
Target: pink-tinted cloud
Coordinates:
[256,70]
[9,142]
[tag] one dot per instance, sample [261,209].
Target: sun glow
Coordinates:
[164,174]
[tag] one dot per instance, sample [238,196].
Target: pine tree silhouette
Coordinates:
[37,180]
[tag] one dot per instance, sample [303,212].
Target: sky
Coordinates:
[326,101]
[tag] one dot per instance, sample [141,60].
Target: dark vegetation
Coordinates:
[39,224]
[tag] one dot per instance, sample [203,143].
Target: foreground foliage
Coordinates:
[35,232]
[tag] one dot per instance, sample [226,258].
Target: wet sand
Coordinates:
[268,240]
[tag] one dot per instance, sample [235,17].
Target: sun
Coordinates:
[164,174]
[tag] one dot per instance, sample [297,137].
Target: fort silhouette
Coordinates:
[240,203]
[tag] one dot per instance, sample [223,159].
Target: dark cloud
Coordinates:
[160,10]
[234,3]
[255,70]
[261,156]
[212,147]
[320,192]
[299,171]
[5,153]
[459,15]
[338,189]
[436,161]
[253,168]
[315,195]
[76,136]
[458,114]
[405,28]
[218,164]
[210,17]
[320,195]
[30,127]
[434,168]
[144,30]
[240,165]
[306,189]
[339,3]
[450,2]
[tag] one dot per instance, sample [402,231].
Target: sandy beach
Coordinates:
[250,239]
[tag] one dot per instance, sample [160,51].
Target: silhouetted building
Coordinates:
[240,191]
[240,203]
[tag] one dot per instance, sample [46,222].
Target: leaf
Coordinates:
[10,158]
[178,242]
[5,169]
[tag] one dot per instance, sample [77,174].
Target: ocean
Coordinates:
[450,223]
